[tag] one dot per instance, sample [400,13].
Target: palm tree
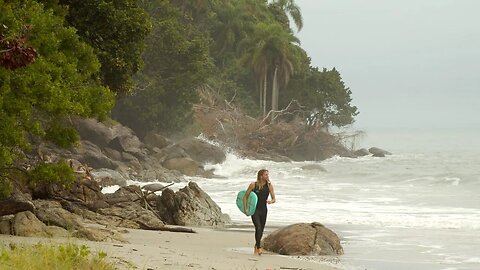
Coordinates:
[282,8]
[271,51]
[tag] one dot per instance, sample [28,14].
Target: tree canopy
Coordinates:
[147,59]
[61,80]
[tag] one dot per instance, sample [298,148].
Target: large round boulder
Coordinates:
[307,239]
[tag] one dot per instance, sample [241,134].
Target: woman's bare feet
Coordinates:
[259,251]
[255,250]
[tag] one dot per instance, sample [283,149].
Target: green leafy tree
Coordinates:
[281,9]
[37,99]
[325,96]
[176,62]
[116,29]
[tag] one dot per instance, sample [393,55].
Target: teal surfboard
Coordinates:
[251,202]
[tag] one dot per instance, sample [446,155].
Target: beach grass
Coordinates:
[52,256]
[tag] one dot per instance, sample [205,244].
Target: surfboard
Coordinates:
[251,202]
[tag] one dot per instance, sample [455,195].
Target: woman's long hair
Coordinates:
[259,176]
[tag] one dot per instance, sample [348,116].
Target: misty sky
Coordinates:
[409,63]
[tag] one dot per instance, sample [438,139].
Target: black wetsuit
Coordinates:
[259,218]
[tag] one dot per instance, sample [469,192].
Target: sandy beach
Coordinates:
[207,249]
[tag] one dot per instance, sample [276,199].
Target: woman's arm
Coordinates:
[249,189]
[272,194]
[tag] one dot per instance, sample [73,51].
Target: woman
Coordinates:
[262,187]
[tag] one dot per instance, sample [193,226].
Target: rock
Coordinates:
[190,206]
[84,191]
[108,177]
[27,224]
[303,239]
[160,174]
[52,213]
[112,153]
[94,131]
[124,194]
[377,152]
[187,166]
[203,152]
[313,167]
[125,140]
[6,224]
[97,235]
[55,231]
[153,187]
[145,219]
[91,154]
[16,203]
[169,152]
[153,140]
[361,152]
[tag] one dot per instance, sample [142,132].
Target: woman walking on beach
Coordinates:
[262,187]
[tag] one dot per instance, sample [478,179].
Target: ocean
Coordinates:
[418,208]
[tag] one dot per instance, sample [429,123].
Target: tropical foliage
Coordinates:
[57,79]
[147,59]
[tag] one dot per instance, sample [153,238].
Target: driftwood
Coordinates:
[177,229]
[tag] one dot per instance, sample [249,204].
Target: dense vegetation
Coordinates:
[146,60]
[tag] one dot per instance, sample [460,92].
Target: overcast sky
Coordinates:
[409,63]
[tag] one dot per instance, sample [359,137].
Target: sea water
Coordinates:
[418,208]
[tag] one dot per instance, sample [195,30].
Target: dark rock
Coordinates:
[361,152]
[52,213]
[303,239]
[89,153]
[187,166]
[377,152]
[146,219]
[203,152]
[84,191]
[153,140]
[94,131]
[130,193]
[16,203]
[107,177]
[190,206]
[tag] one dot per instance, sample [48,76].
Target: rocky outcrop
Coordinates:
[377,152]
[85,191]
[116,147]
[144,218]
[202,152]
[185,165]
[27,224]
[52,213]
[153,140]
[190,206]
[16,203]
[108,177]
[303,239]
[362,152]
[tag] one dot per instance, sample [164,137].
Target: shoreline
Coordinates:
[209,248]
